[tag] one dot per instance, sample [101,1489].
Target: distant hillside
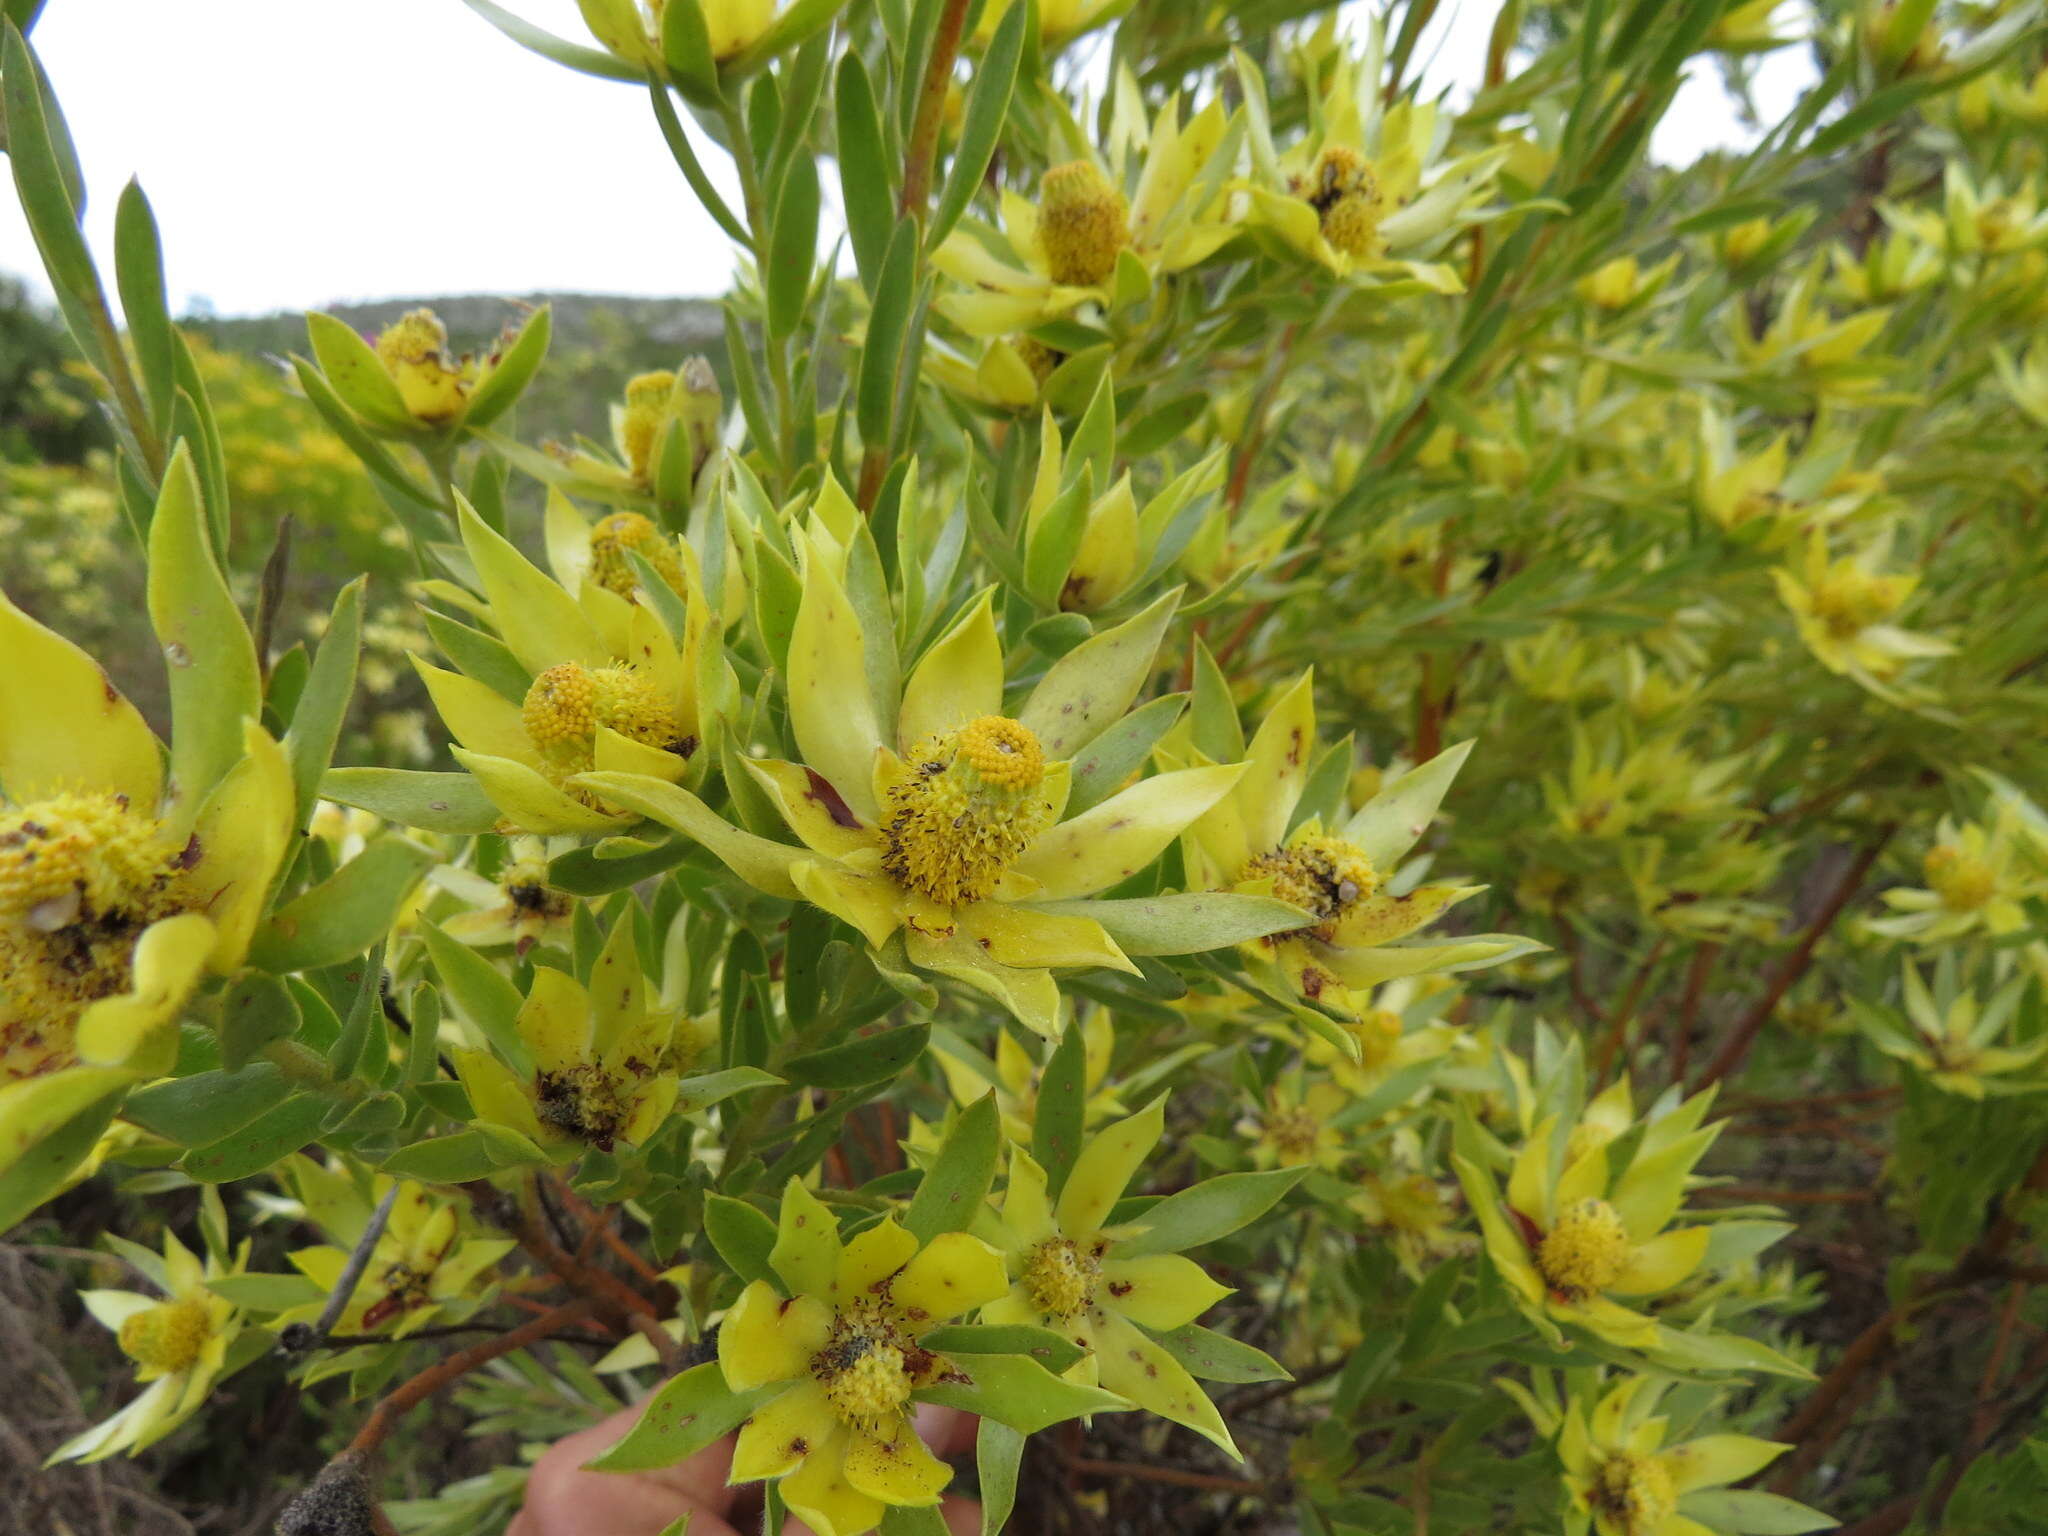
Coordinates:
[600,341]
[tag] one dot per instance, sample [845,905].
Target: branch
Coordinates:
[385,1416]
[923,149]
[1736,1047]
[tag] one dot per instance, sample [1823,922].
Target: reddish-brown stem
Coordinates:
[923,150]
[1982,1419]
[596,1283]
[1820,1404]
[1794,965]
[1255,423]
[385,1416]
[1617,1028]
[1740,1106]
[1696,975]
[1983,1258]
[630,1256]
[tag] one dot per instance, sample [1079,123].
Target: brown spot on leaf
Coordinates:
[834,804]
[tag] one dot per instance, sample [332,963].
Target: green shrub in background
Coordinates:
[1329,801]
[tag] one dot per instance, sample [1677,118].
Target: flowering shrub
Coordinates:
[1288,761]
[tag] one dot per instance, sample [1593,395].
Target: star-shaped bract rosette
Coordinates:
[939,812]
[1254,841]
[1109,1287]
[1576,1239]
[613,681]
[834,1358]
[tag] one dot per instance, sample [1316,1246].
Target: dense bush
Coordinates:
[1328,800]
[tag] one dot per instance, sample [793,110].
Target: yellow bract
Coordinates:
[178,1341]
[843,1344]
[1069,1273]
[935,813]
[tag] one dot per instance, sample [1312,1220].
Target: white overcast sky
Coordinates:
[299,154]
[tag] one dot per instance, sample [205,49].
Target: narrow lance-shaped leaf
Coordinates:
[208,655]
[139,274]
[956,1186]
[988,104]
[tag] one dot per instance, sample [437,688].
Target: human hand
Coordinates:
[564,1498]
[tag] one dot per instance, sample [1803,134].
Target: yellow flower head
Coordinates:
[178,1340]
[168,1337]
[1977,880]
[569,703]
[519,907]
[614,537]
[1573,1234]
[591,1068]
[414,351]
[1324,875]
[1083,221]
[966,806]
[844,1348]
[1338,875]
[1103,1287]
[124,879]
[1618,1470]
[82,876]
[1345,194]
[1585,1252]
[930,810]
[646,413]
[612,686]
[1962,880]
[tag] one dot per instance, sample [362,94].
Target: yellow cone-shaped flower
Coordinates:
[1048,258]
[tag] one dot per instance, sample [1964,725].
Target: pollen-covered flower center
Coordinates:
[167,1337]
[1083,222]
[586,1101]
[968,804]
[1963,881]
[568,704]
[1634,1492]
[1848,601]
[1292,1133]
[414,351]
[1324,875]
[1061,1276]
[613,539]
[1585,1251]
[868,1368]
[81,876]
[1345,194]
